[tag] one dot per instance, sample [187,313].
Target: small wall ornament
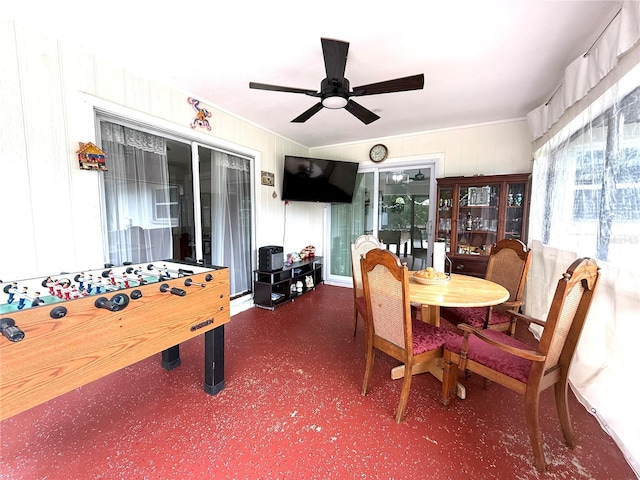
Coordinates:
[267,178]
[202,114]
[91,157]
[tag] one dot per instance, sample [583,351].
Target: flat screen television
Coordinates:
[318,180]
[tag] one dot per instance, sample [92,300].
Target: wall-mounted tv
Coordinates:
[318,180]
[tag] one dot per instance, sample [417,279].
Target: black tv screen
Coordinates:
[318,180]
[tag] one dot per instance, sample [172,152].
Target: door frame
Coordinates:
[431,162]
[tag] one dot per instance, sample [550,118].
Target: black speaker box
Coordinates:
[270,258]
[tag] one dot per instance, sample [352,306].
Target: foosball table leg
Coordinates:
[214,360]
[171,357]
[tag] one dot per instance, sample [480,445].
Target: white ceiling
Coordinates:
[483,61]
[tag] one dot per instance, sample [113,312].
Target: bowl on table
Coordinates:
[429,276]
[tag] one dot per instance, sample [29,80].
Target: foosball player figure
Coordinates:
[165,271]
[36,300]
[13,289]
[50,284]
[125,280]
[98,285]
[89,283]
[74,291]
[66,290]
[24,295]
[57,288]
[81,281]
[141,280]
[112,277]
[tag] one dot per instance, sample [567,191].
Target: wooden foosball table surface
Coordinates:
[83,326]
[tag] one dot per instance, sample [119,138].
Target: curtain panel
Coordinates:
[587,71]
[138,215]
[585,201]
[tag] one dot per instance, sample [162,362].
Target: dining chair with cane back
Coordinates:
[360,246]
[390,327]
[528,370]
[508,265]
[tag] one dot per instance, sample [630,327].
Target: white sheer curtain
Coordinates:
[587,71]
[348,221]
[231,218]
[139,211]
[586,202]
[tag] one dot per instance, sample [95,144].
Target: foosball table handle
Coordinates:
[103,302]
[8,329]
[172,290]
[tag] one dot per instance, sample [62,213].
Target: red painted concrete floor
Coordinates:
[292,408]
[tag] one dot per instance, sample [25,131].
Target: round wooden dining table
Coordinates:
[459,291]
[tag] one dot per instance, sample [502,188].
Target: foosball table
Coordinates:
[63,331]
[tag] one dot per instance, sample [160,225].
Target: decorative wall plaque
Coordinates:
[91,157]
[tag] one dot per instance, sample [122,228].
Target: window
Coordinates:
[166,206]
[590,184]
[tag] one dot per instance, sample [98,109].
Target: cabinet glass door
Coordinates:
[515,210]
[445,207]
[477,219]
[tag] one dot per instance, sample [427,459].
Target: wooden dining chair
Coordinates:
[528,370]
[508,265]
[418,250]
[360,246]
[390,327]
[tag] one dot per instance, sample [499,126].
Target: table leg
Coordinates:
[214,360]
[430,314]
[171,357]
[434,367]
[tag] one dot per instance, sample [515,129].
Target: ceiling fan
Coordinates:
[334,90]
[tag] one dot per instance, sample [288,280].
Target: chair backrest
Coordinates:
[386,289]
[567,314]
[389,237]
[508,265]
[416,238]
[360,246]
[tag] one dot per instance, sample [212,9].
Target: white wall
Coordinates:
[486,149]
[52,209]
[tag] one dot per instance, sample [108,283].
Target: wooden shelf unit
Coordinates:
[476,212]
[271,289]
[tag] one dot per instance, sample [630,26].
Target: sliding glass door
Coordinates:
[169,198]
[225,211]
[391,203]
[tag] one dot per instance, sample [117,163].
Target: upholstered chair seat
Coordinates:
[491,357]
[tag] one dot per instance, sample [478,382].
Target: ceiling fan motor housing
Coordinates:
[330,88]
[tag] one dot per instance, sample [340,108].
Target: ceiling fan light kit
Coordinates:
[334,102]
[335,90]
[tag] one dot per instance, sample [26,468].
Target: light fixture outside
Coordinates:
[334,102]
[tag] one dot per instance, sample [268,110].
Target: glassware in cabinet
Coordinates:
[478,218]
[515,210]
[445,207]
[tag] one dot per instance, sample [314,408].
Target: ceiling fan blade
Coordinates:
[308,114]
[335,57]
[276,88]
[414,82]
[358,111]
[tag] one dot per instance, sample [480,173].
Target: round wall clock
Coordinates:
[378,153]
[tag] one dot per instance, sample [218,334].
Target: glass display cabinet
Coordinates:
[476,212]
